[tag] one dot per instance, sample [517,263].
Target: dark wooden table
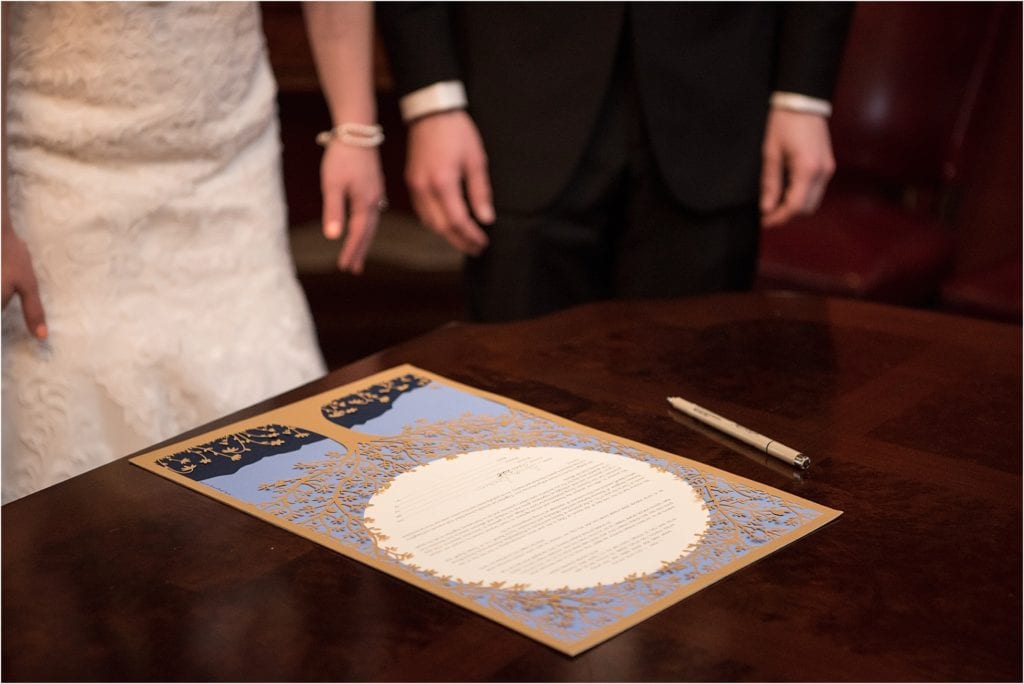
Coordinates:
[913,421]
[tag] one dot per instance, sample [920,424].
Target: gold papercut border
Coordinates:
[306,414]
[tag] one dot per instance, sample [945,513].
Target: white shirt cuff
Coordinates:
[795,102]
[438,97]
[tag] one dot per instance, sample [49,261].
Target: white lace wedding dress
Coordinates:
[144,176]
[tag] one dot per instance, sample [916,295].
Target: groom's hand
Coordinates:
[446,166]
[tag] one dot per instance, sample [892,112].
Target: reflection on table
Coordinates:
[913,421]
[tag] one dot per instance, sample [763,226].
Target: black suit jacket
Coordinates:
[536,75]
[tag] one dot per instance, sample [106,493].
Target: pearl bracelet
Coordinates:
[795,102]
[358,135]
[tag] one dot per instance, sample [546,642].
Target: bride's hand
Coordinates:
[353,197]
[20,278]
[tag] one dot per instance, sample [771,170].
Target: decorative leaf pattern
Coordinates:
[330,498]
[355,409]
[229,453]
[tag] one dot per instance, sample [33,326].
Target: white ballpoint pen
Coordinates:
[755,439]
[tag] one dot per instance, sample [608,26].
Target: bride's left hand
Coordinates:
[353,197]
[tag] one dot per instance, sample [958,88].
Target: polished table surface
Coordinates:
[912,419]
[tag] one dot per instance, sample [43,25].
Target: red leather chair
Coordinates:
[907,91]
[990,292]
[986,278]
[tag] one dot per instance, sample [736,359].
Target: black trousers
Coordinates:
[615,232]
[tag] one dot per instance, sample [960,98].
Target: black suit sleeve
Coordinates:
[419,42]
[810,47]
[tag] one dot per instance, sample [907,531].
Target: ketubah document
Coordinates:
[561,532]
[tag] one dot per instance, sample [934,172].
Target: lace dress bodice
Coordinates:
[144,176]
